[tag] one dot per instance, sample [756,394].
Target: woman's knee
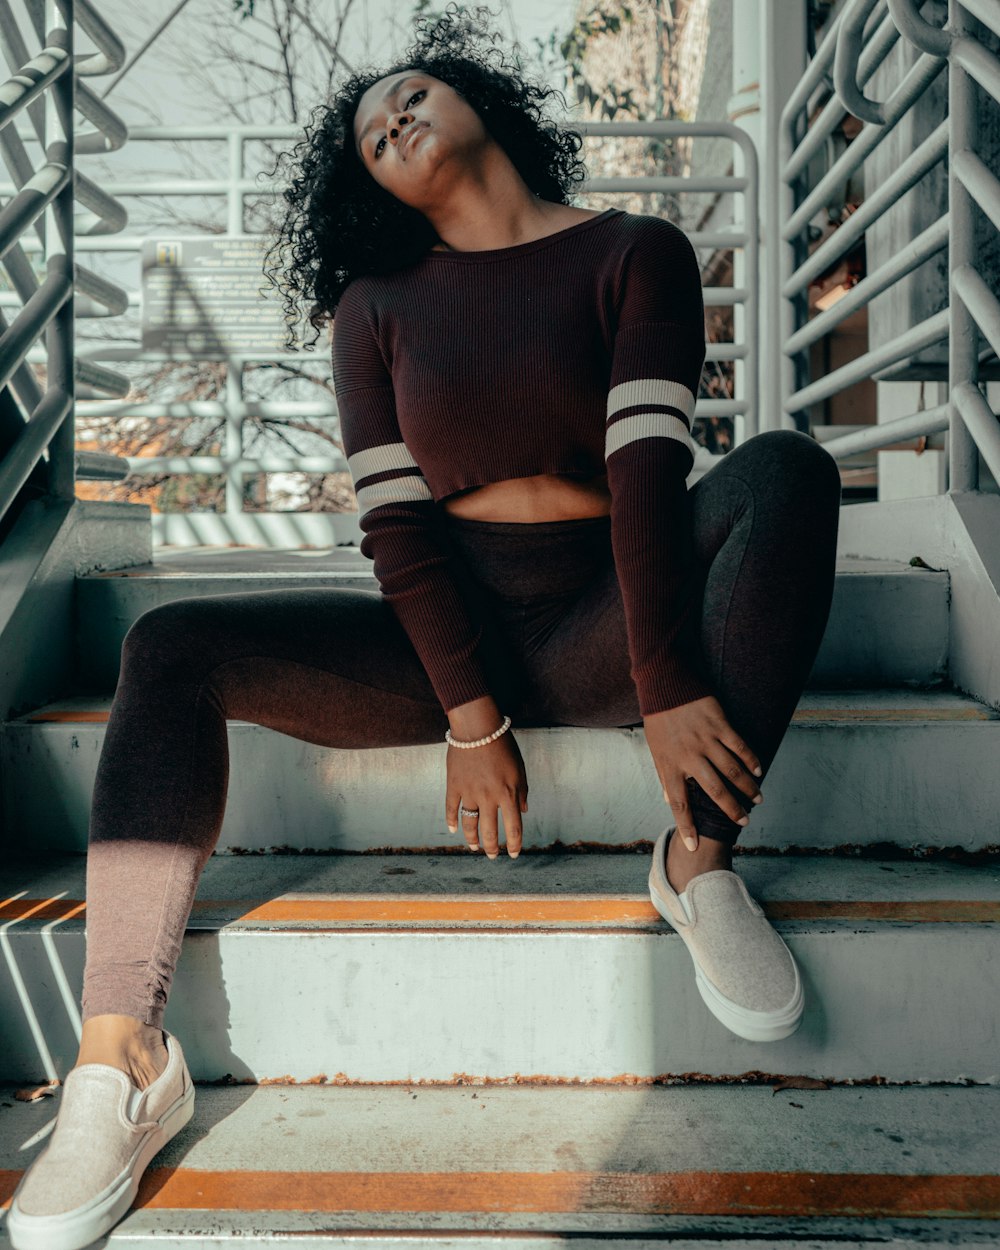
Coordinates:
[167,635]
[802,453]
[789,462]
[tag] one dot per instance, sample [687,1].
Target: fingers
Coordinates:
[489,834]
[483,827]
[470,831]
[512,825]
[731,768]
[676,796]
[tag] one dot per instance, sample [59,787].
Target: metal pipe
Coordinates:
[882,43]
[18,214]
[981,183]
[930,421]
[238,467]
[929,242]
[59,373]
[110,131]
[902,99]
[31,81]
[963,355]
[969,285]
[931,330]
[34,317]
[97,466]
[920,32]
[845,63]
[111,54]
[980,421]
[933,149]
[38,433]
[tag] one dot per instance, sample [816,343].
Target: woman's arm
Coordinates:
[402,523]
[657,357]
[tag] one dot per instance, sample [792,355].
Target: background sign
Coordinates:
[201,297]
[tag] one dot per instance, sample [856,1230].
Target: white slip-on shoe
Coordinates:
[106,1133]
[745,973]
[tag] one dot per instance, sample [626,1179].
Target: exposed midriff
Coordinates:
[545,497]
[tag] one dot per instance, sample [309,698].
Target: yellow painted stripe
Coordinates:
[605,910]
[859,1194]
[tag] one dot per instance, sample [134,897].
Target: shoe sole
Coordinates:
[753,1026]
[73,1230]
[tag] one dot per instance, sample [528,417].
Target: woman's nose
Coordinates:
[396,132]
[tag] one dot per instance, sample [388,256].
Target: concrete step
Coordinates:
[903,768]
[888,622]
[551,967]
[693,1166]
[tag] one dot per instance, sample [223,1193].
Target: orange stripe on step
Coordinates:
[41,908]
[76,716]
[859,1194]
[610,910]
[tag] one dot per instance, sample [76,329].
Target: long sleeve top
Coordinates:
[579,354]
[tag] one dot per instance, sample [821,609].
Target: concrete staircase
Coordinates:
[396,1042]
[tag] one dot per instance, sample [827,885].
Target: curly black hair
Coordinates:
[340,223]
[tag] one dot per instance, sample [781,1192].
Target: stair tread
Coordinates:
[225,562]
[545,1156]
[889,704]
[543,889]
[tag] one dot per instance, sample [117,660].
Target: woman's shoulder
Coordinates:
[648,226]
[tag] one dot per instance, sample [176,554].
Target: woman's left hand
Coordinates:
[694,740]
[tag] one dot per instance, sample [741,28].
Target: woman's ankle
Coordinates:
[682,865]
[124,1042]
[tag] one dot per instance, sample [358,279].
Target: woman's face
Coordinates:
[408,125]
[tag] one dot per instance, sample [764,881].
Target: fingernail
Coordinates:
[453,828]
[514,854]
[744,821]
[757,772]
[489,856]
[758,798]
[471,847]
[691,844]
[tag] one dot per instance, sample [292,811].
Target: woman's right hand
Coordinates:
[488,778]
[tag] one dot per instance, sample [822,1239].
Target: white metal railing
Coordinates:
[851,59]
[237,525]
[36,426]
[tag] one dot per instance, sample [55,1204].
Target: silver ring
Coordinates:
[465,811]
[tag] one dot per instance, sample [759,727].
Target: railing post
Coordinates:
[782,63]
[963,364]
[233,449]
[233,444]
[234,200]
[59,235]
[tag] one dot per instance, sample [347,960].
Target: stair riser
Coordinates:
[882,1000]
[884,629]
[914,783]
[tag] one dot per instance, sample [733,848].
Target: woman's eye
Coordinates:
[416,95]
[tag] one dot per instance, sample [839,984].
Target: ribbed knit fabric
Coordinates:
[578,354]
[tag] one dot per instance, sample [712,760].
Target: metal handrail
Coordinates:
[41,209]
[973,429]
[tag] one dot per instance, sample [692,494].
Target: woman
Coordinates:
[516,379]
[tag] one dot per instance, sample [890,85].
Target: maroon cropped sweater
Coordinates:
[578,354]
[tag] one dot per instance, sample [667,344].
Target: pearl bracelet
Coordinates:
[480,742]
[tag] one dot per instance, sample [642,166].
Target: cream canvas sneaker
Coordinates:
[745,973]
[106,1133]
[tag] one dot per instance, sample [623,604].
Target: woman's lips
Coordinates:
[413,135]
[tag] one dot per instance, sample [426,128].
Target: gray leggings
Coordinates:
[334,667]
